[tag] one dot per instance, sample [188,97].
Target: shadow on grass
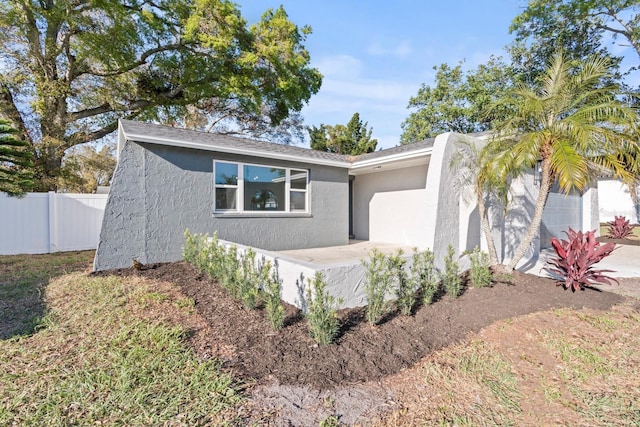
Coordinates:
[23,281]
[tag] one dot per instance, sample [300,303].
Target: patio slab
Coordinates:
[356,250]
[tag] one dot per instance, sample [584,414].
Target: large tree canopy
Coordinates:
[581,28]
[459,102]
[353,139]
[72,68]
[86,168]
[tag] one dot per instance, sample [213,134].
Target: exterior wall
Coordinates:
[561,212]
[615,200]
[159,191]
[519,214]
[398,217]
[366,186]
[50,222]
[443,221]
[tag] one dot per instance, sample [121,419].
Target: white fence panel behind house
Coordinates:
[615,200]
[50,222]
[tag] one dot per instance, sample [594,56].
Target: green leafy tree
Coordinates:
[16,176]
[86,168]
[575,124]
[581,28]
[353,139]
[71,69]
[578,27]
[458,102]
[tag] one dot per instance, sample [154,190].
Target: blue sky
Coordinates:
[375,54]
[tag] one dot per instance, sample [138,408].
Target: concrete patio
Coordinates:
[356,250]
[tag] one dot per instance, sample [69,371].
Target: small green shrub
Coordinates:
[191,248]
[451,280]
[272,286]
[231,272]
[378,281]
[248,280]
[480,271]
[405,288]
[322,311]
[424,275]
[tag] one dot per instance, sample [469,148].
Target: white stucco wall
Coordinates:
[615,200]
[366,186]
[399,217]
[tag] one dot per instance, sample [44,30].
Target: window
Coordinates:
[298,191]
[248,188]
[226,186]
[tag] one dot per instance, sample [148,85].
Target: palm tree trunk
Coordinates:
[541,201]
[633,191]
[486,228]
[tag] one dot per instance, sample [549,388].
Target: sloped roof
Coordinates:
[166,135]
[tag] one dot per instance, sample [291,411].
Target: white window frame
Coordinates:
[240,208]
[238,187]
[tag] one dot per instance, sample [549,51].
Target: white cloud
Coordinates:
[375,90]
[339,66]
[400,50]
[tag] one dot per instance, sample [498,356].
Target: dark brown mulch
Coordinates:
[362,352]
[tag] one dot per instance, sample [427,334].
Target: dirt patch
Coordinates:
[362,353]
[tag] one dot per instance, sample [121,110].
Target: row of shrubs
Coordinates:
[388,282]
[253,283]
[257,283]
[387,277]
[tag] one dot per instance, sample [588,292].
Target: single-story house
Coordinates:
[279,197]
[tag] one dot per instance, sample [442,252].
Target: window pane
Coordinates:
[226,198]
[264,188]
[264,200]
[226,173]
[298,179]
[298,201]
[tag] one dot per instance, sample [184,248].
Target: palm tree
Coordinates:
[472,167]
[574,125]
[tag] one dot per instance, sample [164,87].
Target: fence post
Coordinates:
[53,223]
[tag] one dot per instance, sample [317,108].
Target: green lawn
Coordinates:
[100,350]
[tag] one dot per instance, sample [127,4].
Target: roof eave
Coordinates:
[232,150]
[378,161]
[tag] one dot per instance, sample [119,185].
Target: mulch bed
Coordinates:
[362,352]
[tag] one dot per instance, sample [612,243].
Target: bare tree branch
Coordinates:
[141,61]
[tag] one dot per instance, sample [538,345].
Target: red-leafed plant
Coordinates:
[619,228]
[576,258]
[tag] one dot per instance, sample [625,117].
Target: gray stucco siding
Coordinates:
[158,191]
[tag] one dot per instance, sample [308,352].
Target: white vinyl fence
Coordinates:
[50,222]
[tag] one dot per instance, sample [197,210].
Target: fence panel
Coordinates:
[50,222]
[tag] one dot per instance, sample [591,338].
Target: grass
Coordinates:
[112,351]
[564,367]
[106,351]
[23,279]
